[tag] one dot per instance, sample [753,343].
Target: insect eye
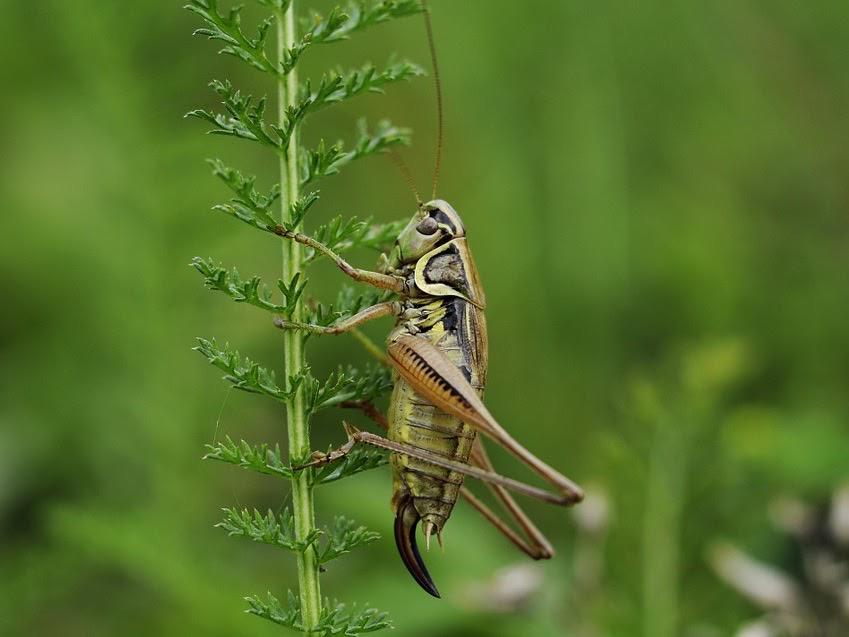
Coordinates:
[428,226]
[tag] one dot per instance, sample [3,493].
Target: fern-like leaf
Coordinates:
[242,372]
[270,608]
[262,459]
[336,618]
[244,117]
[250,291]
[336,87]
[339,619]
[358,460]
[324,161]
[279,530]
[343,537]
[227,28]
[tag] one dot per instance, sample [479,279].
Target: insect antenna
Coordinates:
[438,85]
[405,171]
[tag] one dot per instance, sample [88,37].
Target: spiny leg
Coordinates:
[355,437]
[375,279]
[387,308]
[535,544]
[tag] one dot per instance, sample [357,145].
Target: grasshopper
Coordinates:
[438,351]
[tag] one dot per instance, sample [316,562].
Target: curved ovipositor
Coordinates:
[406,523]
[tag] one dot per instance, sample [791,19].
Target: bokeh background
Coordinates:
[657,197]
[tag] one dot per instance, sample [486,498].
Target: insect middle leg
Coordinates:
[388,308]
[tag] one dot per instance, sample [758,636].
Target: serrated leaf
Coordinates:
[227,28]
[358,460]
[335,87]
[244,116]
[251,291]
[271,609]
[343,537]
[262,459]
[336,618]
[339,24]
[324,161]
[279,530]
[349,385]
[358,15]
[242,372]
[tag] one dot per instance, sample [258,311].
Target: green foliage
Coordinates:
[324,161]
[336,619]
[262,458]
[348,384]
[339,25]
[360,459]
[341,235]
[343,537]
[228,29]
[270,528]
[278,529]
[335,87]
[243,373]
[251,291]
[269,460]
[281,211]
[244,117]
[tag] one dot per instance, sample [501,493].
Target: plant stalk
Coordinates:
[293,341]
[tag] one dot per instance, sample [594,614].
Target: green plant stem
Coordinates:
[293,343]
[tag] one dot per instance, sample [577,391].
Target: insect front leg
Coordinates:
[379,280]
[388,308]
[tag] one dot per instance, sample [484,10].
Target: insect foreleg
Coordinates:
[375,279]
[387,308]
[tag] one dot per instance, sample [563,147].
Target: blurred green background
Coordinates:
[657,197]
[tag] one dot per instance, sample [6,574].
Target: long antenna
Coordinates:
[438,83]
[405,171]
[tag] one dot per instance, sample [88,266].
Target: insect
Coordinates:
[438,351]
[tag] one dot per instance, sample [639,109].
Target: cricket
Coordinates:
[438,351]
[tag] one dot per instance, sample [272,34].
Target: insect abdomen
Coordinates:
[457,329]
[414,421]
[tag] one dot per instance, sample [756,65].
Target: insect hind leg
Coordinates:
[534,544]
